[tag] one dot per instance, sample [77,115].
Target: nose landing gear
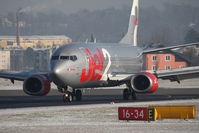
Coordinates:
[67,97]
[70,94]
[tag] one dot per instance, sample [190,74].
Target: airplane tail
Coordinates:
[131,35]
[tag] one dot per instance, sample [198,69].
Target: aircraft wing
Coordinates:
[21,76]
[172,75]
[168,48]
[179,74]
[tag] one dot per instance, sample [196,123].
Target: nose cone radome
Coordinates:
[57,73]
[56,70]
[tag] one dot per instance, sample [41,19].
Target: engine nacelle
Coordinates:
[144,83]
[36,85]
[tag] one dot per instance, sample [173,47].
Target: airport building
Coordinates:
[34,41]
[31,59]
[163,61]
[32,54]
[42,59]
[4,60]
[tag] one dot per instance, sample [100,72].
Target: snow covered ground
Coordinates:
[5,84]
[101,118]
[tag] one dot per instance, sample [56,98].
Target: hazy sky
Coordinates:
[71,6]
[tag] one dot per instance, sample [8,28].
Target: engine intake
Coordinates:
[37,85]
[144,83]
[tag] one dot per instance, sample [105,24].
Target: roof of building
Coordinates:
[36,37]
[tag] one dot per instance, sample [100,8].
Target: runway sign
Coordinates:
[128,113]
[153,113]
[174,112]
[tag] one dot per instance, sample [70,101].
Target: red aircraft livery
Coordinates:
[96,64]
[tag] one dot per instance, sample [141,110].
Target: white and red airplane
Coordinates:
[91,65]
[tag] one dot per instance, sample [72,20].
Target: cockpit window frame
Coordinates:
[55,57]
[73,58]
[64,57]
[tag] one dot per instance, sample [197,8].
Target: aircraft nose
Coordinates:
[56,71]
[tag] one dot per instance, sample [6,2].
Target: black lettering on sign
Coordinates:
[151,114]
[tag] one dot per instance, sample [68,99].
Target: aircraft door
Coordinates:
[82,62]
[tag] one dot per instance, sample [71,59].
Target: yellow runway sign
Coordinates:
[171,112]
[153,113]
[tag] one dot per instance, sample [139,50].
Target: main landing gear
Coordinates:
[69,95]
[129,92]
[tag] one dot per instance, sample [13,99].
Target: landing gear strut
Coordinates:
[78,95]
[62,90]
[129,92]
[69,95]
[126,94]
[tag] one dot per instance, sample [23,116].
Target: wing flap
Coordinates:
[168,48]
[120,76]
[13,76]
[179,74]
[172,75]
[21,76]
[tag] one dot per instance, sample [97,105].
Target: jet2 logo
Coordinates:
[96,65]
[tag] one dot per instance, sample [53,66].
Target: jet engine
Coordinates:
[144,82]
[36,85]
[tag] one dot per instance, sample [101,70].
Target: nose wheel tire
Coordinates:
[68,97]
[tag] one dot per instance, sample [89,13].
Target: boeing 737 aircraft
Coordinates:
[91,65]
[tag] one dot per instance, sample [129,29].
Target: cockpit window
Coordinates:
[73,58]
[64,57]
[55,57]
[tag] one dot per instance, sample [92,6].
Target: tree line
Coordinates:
[167,26]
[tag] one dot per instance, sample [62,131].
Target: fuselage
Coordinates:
[82,65]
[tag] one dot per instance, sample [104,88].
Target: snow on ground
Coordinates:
[101,118]
[5,84]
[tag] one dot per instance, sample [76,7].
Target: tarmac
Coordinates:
[97,112]
[92,118]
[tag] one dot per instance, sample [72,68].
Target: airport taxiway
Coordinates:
[97,112]
[95,118]
[18,99]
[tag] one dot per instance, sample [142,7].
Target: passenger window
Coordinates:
[64,57]
[55,57]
